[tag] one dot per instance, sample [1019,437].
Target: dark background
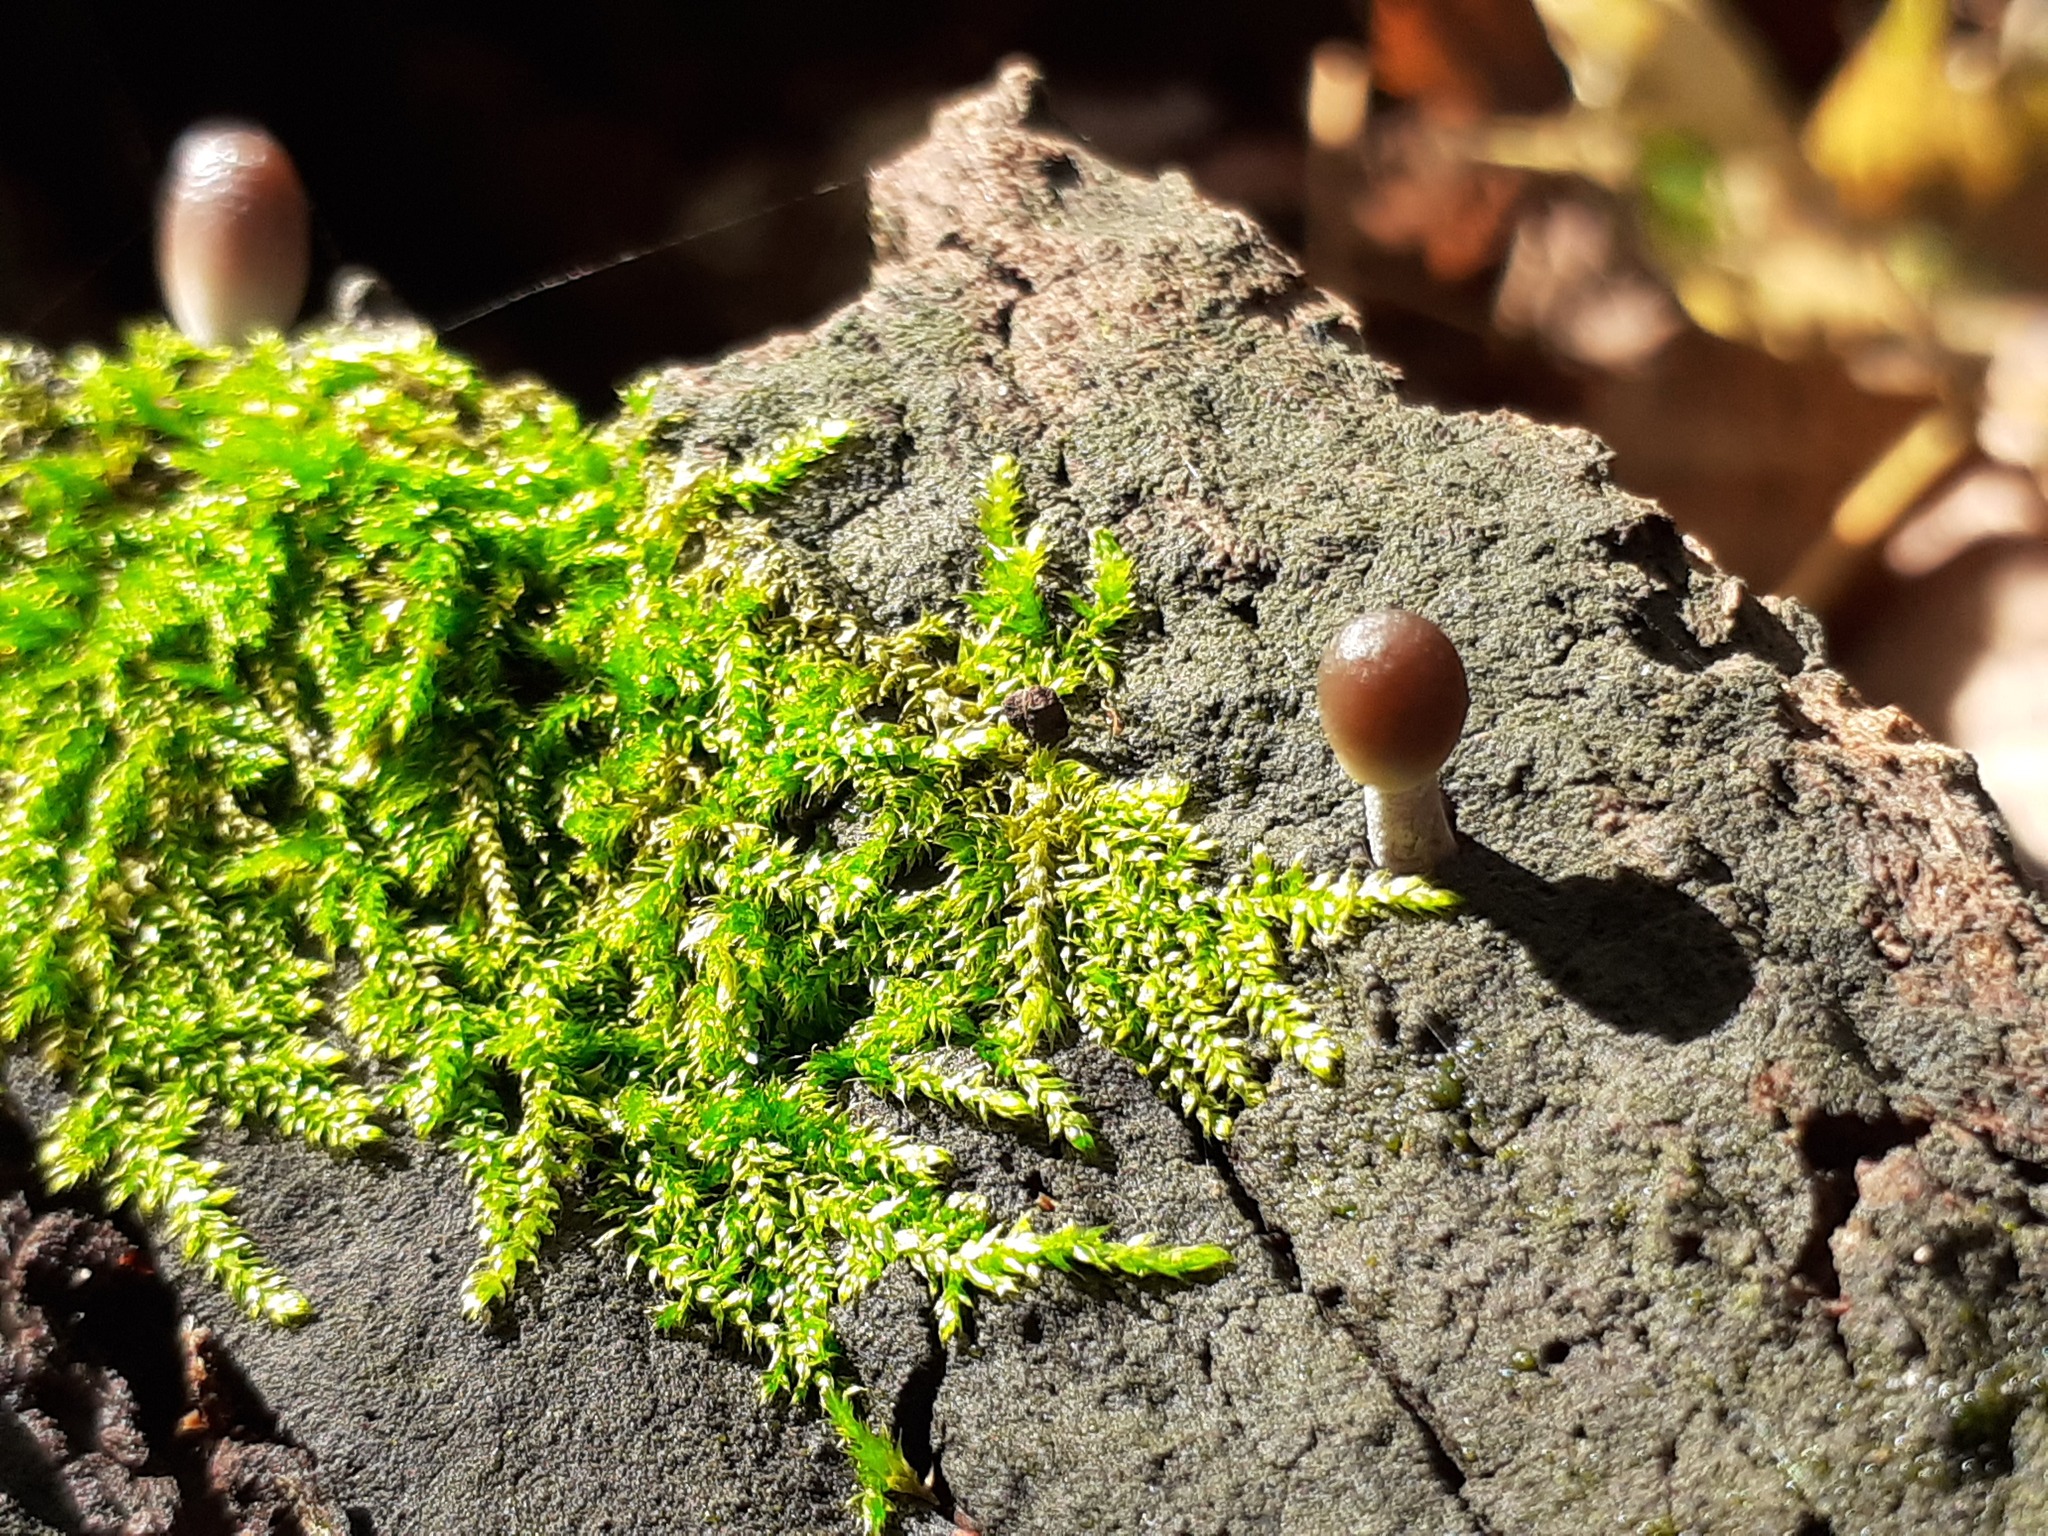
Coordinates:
[469,152]
[464,151]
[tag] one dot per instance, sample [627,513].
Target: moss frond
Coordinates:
[651,864]
[880,1471]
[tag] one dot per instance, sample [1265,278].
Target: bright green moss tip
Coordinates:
[651,863]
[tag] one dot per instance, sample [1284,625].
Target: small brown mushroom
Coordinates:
[231,245]
[1393,698]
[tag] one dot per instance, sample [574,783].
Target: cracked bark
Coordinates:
[1278,1249]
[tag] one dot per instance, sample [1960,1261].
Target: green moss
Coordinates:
[1981,1421]
[1446,1091]
[1679,177]
[642,854]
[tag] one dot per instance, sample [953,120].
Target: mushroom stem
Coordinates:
[1408,830]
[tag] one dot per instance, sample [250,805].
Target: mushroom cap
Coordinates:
[1393,698]
[231,246]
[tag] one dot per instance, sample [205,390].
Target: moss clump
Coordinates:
[640,851]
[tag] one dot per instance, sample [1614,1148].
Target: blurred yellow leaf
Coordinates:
[1677,108]
[1792,288]
[1681,66]
[1910,112]
[1601,42]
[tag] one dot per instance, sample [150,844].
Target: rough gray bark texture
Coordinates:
[1691,1181]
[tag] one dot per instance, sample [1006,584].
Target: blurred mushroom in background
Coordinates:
[233,247]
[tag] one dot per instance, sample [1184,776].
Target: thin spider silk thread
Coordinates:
[520,295]
[140,230]
[577,274]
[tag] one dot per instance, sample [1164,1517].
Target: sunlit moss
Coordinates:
[644,856]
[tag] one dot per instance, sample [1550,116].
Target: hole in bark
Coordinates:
[1658,624]
[1980,1428]
[1554,1353]
[1840,1142]
[1832,1145]
[1062,173]
[1425,1034]
[1834,1197]
[911,1423]
[1281,1246]
[126,1321]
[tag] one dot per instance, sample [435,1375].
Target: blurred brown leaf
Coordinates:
[1452,63]
[2014,424]
[1573,278]
[1463,59]
[1984,505]
[1964,650]
[1424,193]
[1747,451]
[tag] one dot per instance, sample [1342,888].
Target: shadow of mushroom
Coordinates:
[1641,956]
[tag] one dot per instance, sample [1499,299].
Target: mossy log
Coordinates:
[1693,1179]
